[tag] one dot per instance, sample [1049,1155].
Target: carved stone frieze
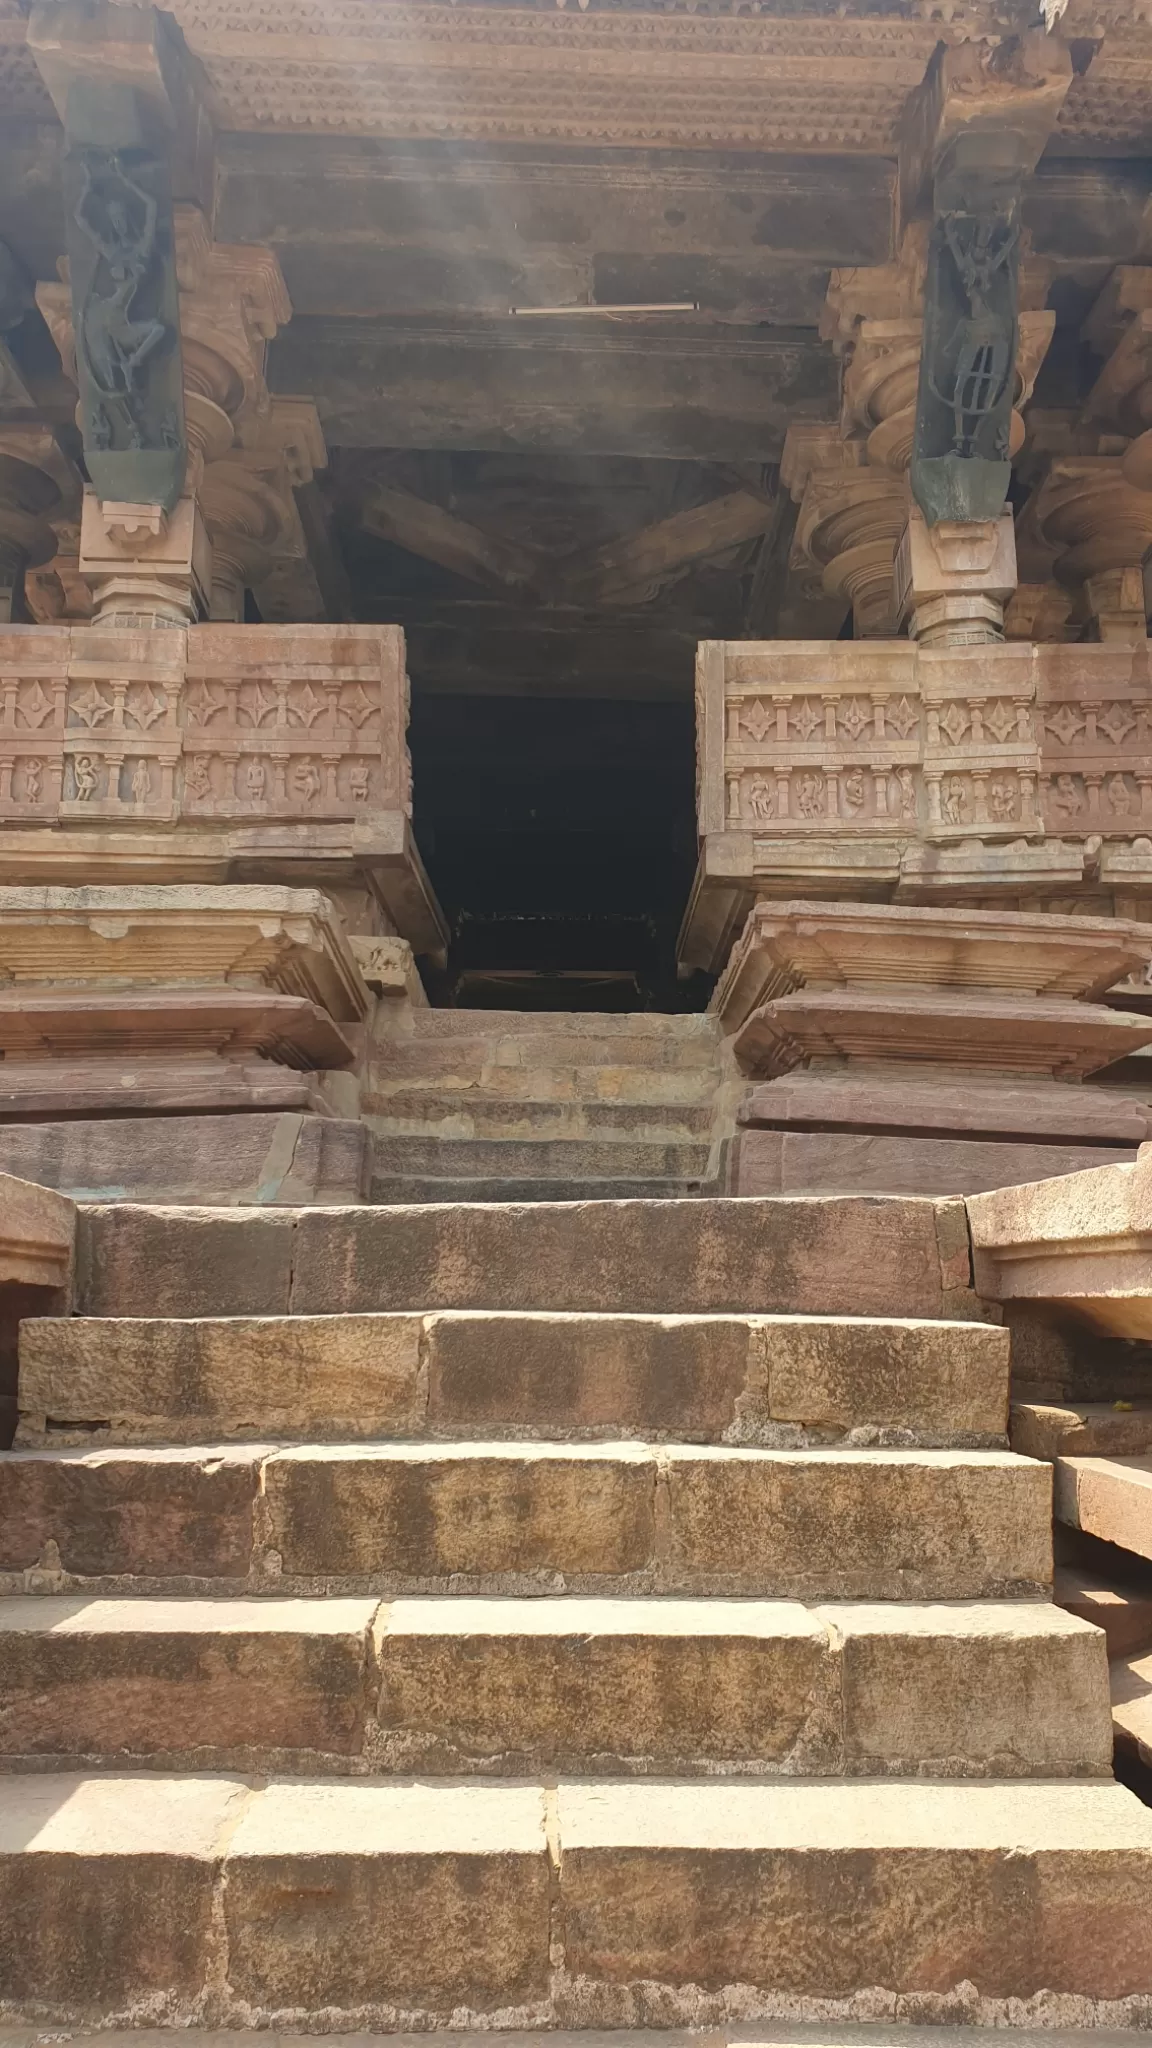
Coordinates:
[1006,772]
[211,753]
[723,78]
[201,726]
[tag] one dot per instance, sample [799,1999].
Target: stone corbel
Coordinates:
[56,593]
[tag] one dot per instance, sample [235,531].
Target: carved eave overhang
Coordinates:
[785,75]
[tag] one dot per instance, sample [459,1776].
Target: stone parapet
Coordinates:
[1010,773]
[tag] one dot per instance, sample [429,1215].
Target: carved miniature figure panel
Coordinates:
[219,723]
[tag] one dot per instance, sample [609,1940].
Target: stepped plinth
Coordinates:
[915,1050]
[177,1040]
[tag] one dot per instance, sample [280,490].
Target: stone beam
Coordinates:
[693,391]
[983,90]
[427,529]
[637,564]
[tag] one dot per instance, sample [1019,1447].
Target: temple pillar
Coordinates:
[978,127]
[112,73]
[973,136]
[189,456]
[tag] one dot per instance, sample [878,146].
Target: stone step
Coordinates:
[1132,1707]
[1046,1429]
[652,1026]
[516,1687]
[468,1373]
[1120,1604]
[529,1517]
[404,1190]
[833,1255]
[1107,1497]
[543,1047]
[761,2034]
[549,1158]
[439,1115]
[487,1082]
[373,1904]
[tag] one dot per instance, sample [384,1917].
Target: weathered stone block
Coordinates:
[143,1380]
[559,1372]
[410,1512]
[133,1260]
[816,1889]
[601,1684]
[857,1524]
[964,1688]
[281,1157]
[211,1682]
[414,1902]
[106,1890]
[909,1375]
[150,1513]
[1107,1497]
[863,1256]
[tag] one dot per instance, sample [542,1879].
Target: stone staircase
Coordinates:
[523,1105]
[549,1616]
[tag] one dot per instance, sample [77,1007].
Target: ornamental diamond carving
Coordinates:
[902,718]
[757,722]
[145,708]
[955,723]
[203,704]
[1000,720]
[1066,724]
[307,706]
[35,705]
[806,721]
[855,717]
[260,705]
[92,707]
[1117,722]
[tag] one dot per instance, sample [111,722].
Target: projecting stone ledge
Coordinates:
[181,1041]
[913,1050]
[1081,1244]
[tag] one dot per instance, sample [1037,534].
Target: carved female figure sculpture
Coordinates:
[119,218]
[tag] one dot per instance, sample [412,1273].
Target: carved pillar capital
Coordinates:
[1099,528]
[37,486]
[952,580]
[849,525]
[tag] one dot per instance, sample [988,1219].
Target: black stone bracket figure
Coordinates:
[961,467]
[126,318]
